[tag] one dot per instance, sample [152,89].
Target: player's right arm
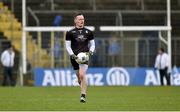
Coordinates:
[156,62]
[68,46]
[3,55]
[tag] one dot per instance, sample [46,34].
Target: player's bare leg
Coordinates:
[78,77]
[83,81]
[83,85]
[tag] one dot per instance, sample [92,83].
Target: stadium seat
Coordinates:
[1,5]
[9,26]
[13,34]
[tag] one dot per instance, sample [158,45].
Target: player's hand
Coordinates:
[90,53]
[155,69]
[166,68]
[73,56]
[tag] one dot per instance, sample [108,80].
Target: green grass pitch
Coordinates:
[112,98]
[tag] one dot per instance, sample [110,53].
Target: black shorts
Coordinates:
[75,64]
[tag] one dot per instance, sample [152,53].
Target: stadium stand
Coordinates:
[100,12]
[11,29]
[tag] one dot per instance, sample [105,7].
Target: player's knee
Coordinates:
[81,76]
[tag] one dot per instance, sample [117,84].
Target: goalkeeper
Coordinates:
[78,40]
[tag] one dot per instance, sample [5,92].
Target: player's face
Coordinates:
[10,50]
[79,21]
[160,52]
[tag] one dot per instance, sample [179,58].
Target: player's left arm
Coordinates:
[92,47]
[92,44]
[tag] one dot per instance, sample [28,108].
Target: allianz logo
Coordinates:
[117,76]
[114,76]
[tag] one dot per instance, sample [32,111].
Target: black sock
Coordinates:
[83,95]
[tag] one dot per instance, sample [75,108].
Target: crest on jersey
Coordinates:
[81,38]
[80,31]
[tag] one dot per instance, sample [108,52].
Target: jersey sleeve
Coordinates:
[167,60]
[68,37]
[91,36]
[156,62]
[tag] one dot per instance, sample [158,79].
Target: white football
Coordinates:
[82,57]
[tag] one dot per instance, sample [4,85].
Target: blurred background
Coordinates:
[113,49]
